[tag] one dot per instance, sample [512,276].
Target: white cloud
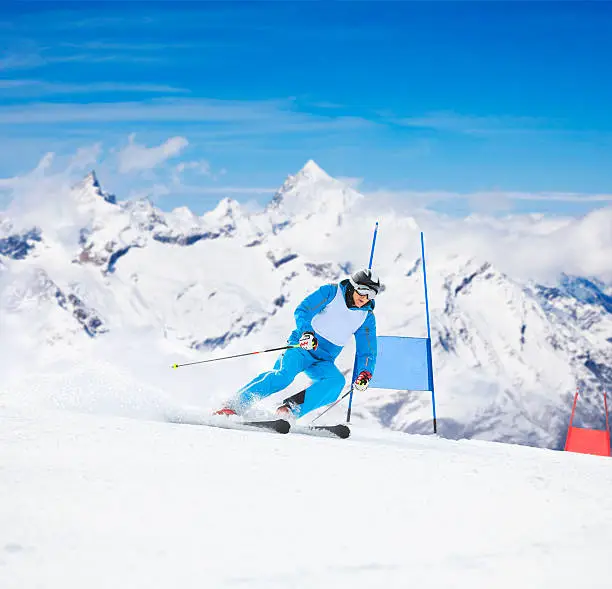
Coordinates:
[530,247]
[402,201]
[85,157]
[527,247]
[41,198]
[200,167]
[44,164]
[14,183]
[491,202]
[481,201]
[153,193]
[135,157]
[560,196]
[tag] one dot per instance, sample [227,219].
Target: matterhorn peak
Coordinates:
[93,179]
[89,188]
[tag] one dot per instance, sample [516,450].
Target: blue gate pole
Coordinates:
[429,355]
[373,246]
[348,413]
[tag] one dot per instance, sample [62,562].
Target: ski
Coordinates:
[280,426]
[333,431]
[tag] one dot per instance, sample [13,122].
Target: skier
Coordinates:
[325,320]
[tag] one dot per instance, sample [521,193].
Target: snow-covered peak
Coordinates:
[312,190]
[312,171]
[184,214]
[227,209]
[89,190]
[144,214]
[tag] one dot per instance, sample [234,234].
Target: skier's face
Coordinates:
[359,299]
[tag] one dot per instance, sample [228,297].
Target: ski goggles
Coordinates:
[365,291]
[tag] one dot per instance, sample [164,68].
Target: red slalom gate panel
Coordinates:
[588,441]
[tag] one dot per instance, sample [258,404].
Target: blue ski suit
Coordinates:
[325,313]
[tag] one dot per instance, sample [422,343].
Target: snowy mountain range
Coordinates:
[100,296]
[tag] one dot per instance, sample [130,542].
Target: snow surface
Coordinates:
[99,501]
[97,489]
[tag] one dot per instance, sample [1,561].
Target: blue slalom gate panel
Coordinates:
[403,363]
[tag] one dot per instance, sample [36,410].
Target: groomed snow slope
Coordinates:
[102,501]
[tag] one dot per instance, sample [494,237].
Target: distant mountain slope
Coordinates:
[508,354]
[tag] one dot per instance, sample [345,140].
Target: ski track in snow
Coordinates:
[100,501]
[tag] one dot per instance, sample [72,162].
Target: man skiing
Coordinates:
[325,320]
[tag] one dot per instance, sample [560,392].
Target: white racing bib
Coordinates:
[337,323]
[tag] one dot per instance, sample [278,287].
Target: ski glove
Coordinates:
[308,341]
[362,381]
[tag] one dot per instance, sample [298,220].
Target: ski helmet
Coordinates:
[365,282]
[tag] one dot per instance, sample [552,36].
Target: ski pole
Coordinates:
[333,404]
[236,356]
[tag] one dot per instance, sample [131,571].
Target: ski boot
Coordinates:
[225,411]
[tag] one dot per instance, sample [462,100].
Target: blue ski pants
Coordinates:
[327,379]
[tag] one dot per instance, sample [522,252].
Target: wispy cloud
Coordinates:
[39,171]
[200,167]
[163,110]
[493,202]
[119,21]
[203,18]
[328,105]
[85,157]
[397,196]
[239,117]
[20,60]
[558,196]
[144,47]
[471,124]
[12,61]
[137,157]
[194,190]
[40,88]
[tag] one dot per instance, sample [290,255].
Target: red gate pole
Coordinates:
[569,429]
[606,410]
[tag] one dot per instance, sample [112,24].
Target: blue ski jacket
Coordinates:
[365,336]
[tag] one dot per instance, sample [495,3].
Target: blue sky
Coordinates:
[498,106]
